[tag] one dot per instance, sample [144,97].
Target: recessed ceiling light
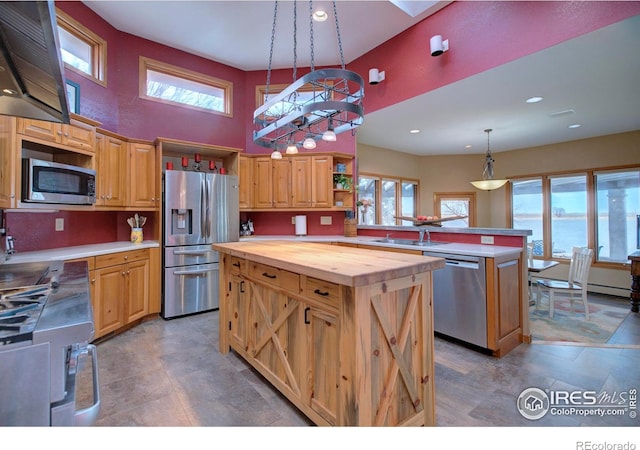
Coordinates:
[575,125]
[468,146]
[320,16]
[534,99]
[8,91]
[414,131]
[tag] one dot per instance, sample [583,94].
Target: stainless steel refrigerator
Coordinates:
[199,209]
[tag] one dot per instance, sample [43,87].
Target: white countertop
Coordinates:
[80,251]
[487,251]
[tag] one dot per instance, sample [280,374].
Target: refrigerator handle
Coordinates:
[203,218]
[208,208]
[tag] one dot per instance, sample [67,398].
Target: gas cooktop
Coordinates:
[24,289]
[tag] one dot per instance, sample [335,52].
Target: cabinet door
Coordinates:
[112,171]
[245,177]
[322,186]
[109,299]
[137,278]
[79,136]
[8,170]
[143,171]
[41,129]
[322,337]
[263,183]
[275,342]
[239,312]
[281,183]
[301,180]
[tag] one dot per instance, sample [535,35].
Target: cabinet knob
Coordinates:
[123,274]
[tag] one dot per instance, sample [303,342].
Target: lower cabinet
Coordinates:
[120,289]
[293,343]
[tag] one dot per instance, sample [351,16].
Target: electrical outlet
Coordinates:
[59,224]
[293,220]
[486,240]
[325,220]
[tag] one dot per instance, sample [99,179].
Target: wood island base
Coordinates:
[345,334]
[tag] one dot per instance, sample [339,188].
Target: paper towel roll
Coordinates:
[301,225]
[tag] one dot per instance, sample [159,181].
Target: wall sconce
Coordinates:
[375,76]
[438,46]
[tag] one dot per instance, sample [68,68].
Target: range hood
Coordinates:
[32,84]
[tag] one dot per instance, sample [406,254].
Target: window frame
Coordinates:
[189,75]
[469,196]
[378,180]
[591,209]
[96,43]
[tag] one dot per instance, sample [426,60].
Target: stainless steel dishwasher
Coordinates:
[460,298]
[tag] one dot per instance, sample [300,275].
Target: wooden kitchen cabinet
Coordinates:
[504,304]
[262,182]
[7,163]
[111,155]
[144,172]
[245,179]
[295,182]
[76,135]
[121,287]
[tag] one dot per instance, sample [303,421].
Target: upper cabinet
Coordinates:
[295,182]
[111,169]
[77,136]
[144,170]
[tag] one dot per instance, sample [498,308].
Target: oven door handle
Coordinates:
[88,416]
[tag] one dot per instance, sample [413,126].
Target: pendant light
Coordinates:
[488,183]
[275,154]
[330,134]
[309,143]
[292,148]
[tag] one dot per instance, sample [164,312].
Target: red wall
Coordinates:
[482,35]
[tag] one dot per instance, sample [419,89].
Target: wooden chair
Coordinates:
[576,283]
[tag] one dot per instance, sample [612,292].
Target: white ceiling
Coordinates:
[596,75]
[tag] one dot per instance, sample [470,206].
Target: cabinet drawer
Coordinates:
[237,265]
[274,276]
[322,291]
[113,259]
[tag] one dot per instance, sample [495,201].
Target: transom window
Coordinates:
[169,84]
[82,51]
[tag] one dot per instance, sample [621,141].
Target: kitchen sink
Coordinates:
[408,242]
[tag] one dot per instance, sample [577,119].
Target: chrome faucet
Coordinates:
[424,230]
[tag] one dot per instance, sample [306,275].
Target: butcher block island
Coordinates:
[345,334]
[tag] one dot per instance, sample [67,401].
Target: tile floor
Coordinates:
[170,373]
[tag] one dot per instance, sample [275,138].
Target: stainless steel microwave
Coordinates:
[52,182]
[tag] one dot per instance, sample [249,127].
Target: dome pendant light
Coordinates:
[329,135]
[488,183]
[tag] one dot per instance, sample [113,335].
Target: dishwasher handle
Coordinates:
[462,264]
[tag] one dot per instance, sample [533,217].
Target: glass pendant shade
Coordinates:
[329,135]
[309,143]
[489,185]
[292,149]
[276,154]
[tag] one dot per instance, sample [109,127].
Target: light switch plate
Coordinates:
[59,224]
[325,220]
[293,220]
[486,239]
